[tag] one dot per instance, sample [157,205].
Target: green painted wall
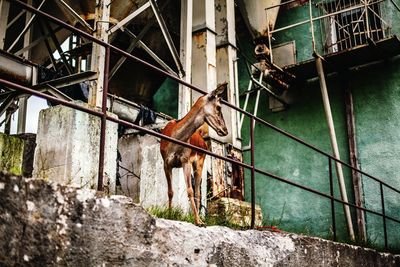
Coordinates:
[376,92]
[166,98]
[291,208]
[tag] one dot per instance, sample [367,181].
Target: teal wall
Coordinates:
[165,100]
[294,209]
[376,93]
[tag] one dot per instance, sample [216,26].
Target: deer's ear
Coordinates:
[220,89]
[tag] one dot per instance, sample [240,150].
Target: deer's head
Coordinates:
[213,112]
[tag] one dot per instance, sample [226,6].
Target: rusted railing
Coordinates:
[252,121]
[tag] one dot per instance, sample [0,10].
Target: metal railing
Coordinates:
[252,121]
[343,24]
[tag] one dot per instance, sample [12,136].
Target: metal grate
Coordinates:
[352,23]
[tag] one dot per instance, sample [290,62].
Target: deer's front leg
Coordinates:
[168,175]
[198,170]
[187,170]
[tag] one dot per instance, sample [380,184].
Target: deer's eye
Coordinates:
[219,108]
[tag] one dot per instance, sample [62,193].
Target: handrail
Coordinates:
[105,117]
[197,89]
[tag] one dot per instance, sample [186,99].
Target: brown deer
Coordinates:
[207,109]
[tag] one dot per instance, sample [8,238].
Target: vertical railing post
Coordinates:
[383,215]
[103,120]
[332,200]
[252,182]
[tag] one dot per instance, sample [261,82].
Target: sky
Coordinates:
[35,104]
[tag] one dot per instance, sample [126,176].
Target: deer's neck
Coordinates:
[189,124]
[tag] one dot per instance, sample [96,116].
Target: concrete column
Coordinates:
[204,72]
[226,56]
[4,8]
[185,94]
[23,101]
[68,145]
[102,15]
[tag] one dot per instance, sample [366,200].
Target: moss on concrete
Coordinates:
[11,154]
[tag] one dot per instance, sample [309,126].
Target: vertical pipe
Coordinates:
[252,182]
[103,119]
[383,215]
[258,94]
[332,200]
[312,25]
[246,101]
[367,19]
[335,148]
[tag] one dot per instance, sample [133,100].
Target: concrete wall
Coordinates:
[11,154]
[67,148]
[142,174]
[376,96]
[45,224]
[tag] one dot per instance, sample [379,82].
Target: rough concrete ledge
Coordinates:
[44,224]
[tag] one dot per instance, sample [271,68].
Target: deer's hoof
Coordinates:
[200,223]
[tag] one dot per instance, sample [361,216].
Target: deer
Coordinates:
[191,129]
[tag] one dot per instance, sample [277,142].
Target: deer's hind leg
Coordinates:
[168,175]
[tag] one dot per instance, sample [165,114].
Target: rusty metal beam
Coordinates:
[356,177]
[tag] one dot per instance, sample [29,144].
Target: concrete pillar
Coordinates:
[185,94]
[102,16]
[226,63]
[4,8]
[11,154]
[68,145]
[142,174]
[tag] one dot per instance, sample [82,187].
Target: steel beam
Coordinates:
[28,24]
[65,6]
[167,37]
[128,19]
[152,54]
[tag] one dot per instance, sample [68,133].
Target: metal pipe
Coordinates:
[335,148]
[245,103]
[258,95]
[252,181]
[159,135]
[383,216]
[312,26]
[332,200]
[195,88]
[324,16]
[103,120]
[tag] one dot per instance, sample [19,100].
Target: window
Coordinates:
[353,23]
